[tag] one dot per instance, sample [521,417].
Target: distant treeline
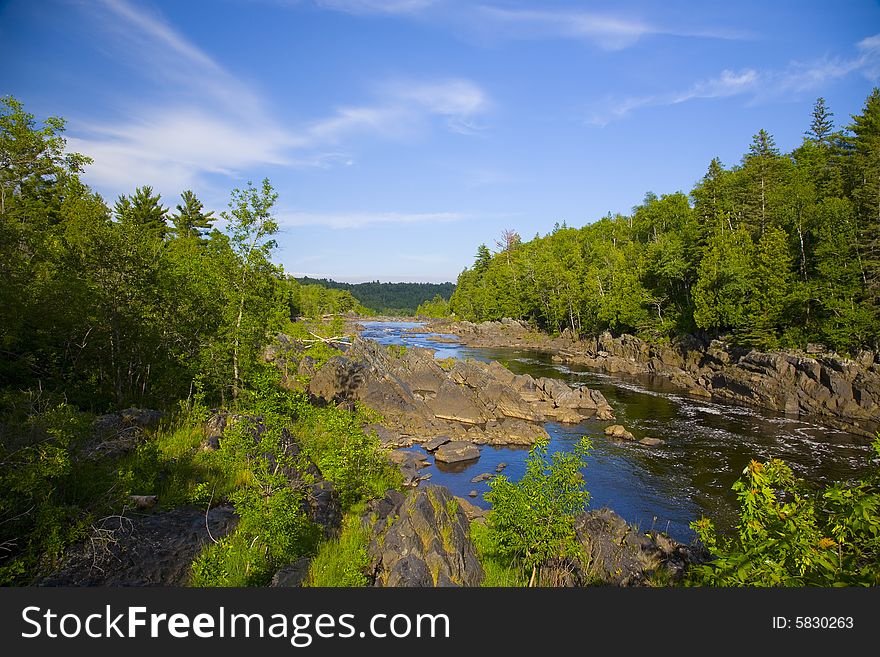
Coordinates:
[778,250]
[387,298]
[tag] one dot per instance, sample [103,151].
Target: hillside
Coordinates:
[388,298]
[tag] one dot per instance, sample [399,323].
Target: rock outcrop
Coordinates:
[841,392]
[465,400]
[118,433]
[421,539]
[143,550]
[619,554]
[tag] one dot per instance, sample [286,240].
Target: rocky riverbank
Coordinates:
[837,391]
[417,538]
[465,401]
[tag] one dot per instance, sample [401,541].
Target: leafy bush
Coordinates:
[532,520]
[789,535]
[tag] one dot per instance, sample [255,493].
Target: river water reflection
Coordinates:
[707,444]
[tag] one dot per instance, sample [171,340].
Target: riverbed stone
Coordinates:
[456,451]
[618,431]
[435,442]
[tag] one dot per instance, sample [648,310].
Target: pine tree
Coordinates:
[142,210]
[190,220]
[761,166]
[864,165]
[822,124]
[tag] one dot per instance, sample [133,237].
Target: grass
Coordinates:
[343,561]
[498,571]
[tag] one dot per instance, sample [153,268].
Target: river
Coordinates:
[707,444]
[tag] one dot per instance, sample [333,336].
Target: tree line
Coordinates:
[132,303]
[777,250]
[387,298]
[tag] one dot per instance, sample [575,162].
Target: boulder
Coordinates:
[456,451]
[455,402]
[421,540]
[292,575]
[621,555]
[652,442]
[618,431]
[155,549]
[115,434]
[435,442]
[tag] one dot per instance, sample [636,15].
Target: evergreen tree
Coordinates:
[822,123]
[724,284]
[190,220]
[864,174]
[762,173]
[765,307]
[712,202]
[142,210]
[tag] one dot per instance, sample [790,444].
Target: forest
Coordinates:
[776,250]
[387,298]
[134,305]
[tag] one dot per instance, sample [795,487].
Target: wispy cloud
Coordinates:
[401,110]
[756,85]
[361,219]
[203,120]
[377,6]
[607,31]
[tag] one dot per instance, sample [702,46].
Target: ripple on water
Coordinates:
[707,444]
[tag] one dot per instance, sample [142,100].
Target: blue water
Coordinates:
[665,488]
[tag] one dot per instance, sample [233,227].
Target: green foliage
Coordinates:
[315,300]
[274,529]
[775,251]
[43,488]
[498,568]
[348,456]
[383,298]
[343,561]
[789,535]
[532,520]
[191,219]
[436,307]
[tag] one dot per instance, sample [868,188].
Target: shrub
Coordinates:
[532,520]
[789,535]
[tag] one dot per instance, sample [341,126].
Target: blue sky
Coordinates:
[401,134]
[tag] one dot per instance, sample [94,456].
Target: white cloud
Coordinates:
[361,219]
[203,120]
[607,31]
[402,111]
[795,78]
[729,83]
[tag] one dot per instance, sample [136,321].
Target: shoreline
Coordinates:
[838,392]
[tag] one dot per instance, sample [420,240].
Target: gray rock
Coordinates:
[293,574]
[621,555]
[422,539]
[454,452]
[435,442]
[155,549]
